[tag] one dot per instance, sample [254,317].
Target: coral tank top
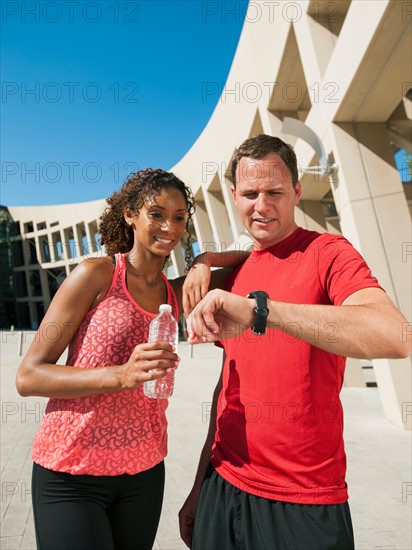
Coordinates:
[108,434]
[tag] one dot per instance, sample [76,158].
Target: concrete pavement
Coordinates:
[379,455]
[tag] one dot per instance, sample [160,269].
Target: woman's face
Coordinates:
[161,222]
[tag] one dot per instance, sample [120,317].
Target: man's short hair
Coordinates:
[259,146]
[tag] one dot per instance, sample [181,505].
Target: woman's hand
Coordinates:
[200,279]
[148,361]
[218,316]
[196,286]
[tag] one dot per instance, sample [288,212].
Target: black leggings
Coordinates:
[83,512]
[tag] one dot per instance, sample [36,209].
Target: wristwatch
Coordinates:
[261,311]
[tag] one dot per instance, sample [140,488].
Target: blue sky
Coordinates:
[94,90]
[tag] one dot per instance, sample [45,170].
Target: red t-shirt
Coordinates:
[280,419]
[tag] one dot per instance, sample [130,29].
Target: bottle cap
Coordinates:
[165,307]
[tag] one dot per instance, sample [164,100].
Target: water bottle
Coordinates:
[163,327]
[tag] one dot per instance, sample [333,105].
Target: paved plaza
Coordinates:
[379,455]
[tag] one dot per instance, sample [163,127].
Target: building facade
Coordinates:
[334,80]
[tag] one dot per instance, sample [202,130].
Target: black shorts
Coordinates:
[230,519]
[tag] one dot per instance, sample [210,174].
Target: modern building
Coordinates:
[332,78]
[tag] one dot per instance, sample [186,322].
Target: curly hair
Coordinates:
[115,234]
[258,147]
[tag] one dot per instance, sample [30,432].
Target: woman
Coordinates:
[98,472]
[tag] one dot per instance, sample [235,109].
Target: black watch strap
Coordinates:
[261,311]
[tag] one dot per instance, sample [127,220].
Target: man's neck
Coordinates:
[262,245]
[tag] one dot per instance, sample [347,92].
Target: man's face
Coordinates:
[266,199]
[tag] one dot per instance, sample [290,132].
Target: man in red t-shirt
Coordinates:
[272,471]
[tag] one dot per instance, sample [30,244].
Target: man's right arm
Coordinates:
[188,511]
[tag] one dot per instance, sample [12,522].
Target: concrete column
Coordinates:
[234,218]
[218,218]
[353,374]
[314,215]
[89,240]
[374,216]
[78,239]
[202,225]
[178,259]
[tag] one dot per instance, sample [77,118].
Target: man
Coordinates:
[272,471]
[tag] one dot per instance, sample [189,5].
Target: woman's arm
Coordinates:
[39,374]
[194,286]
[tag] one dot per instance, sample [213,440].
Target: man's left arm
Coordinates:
[367,325]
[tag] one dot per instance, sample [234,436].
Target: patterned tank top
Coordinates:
[113,433]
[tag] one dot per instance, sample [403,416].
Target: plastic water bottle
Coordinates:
[163,327]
